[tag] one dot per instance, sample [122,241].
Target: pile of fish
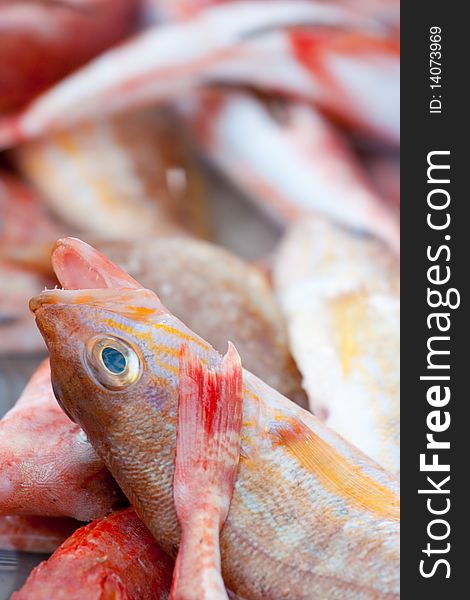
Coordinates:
[239,416]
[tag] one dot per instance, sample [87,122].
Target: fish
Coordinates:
[301,491]
[41,42]
[319,173]
[34,533]
[112,557]
[340,295]
[125,177]
[210,411]
[351,70]
[190,274]
[48,466]
[161,63]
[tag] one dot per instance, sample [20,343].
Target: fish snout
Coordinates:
[45,298]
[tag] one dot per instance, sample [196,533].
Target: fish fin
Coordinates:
[210,412]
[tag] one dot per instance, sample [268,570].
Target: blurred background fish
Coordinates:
[238,157]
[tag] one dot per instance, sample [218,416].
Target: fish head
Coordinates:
[110,351]
[99,343]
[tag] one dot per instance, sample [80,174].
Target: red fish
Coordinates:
[42,41]
[33,533]
[48,466]
[115,557]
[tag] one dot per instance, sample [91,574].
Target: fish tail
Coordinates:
[210,414]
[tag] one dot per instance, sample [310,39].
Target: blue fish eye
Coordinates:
[114,360]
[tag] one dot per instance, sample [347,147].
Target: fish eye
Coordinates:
[113,362]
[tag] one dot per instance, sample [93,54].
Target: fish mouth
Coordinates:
[99,297]
[89,278]
[130,302]
[78,265]
[45,298]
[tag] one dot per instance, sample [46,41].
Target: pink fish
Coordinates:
[189,274]
[125,177]
[340,295]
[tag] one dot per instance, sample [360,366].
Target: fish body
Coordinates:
[113,557]
[34,533]
[314,515]
[319,173]
[351,75]
[40,42]
[340,295]
[48,466]
[124,177]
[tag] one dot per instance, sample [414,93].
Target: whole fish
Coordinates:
[48,467]
[319,173]
[113,557]
[340,294]
[34,533]
[311,516]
